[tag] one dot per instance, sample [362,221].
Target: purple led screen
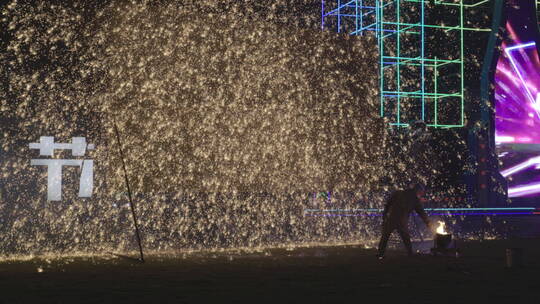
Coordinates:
[517,101]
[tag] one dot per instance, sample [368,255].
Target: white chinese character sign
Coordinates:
[78,147]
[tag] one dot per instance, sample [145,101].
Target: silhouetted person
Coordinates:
[396,216]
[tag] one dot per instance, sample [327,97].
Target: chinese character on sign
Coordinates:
[78,147]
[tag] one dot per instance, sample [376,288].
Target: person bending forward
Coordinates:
[396,216]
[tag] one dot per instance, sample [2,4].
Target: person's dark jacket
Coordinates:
[400,205]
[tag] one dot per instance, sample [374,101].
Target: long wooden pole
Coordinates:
[131,204]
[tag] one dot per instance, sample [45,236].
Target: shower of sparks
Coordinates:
[230,116]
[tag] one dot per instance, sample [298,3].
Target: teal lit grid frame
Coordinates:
[420,78]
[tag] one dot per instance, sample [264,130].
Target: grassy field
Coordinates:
[347,274]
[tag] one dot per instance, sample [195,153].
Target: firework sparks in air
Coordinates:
[231,117]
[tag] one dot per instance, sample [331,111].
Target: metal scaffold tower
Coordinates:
[422,55]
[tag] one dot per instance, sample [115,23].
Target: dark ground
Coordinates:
[309,275]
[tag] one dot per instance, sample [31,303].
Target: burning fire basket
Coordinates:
[444,245]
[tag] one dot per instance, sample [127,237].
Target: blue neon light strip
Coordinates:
[427,209]
[436,211]
[438,214]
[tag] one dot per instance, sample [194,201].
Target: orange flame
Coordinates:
[440,229]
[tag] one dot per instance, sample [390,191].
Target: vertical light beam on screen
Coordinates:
[322,15]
